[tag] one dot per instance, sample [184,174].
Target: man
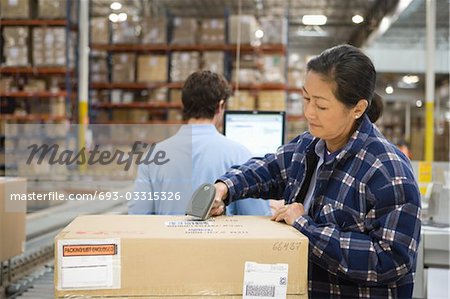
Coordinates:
[198,153]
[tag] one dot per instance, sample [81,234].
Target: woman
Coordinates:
[347,188]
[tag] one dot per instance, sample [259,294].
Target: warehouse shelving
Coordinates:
[21,104]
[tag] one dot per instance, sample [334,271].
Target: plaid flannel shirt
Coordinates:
[364,224]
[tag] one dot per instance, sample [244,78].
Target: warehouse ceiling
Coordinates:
[338,29]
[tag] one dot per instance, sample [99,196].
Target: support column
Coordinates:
[83,75]
[430,79]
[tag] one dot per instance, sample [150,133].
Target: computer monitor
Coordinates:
[261,132]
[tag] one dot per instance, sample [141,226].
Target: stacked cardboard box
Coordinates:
[246,76]
[272,100]
[158,94]
[127,32]
[183,64]
[130,115]
[15,48]
[185,31]
[175,96]
[295,128]
[49,46]
[5,84]
[99,30]
[123,67]
[152,68]
[12,9]
[172,256]
[35,85]
[274,69]
[12,217]
[214,61]
[154,30]
[99,69]
[175,115]
[242,100]
[275,29]
[296,78]
[248,25]
[52,8]
[58,106]
[212,31]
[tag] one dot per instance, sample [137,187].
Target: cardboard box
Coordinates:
[212,31]
[272,100]
[12,217]
[126,32]
[14,9]
[52,9]
[123,67]
[275,30]
[185,31]
[100,30]
[154,30]
[168,256]
[248,27]
[274,69]
[15,48]
[152,68]
[214,61]
[242,100]
[49,46]
[183,64]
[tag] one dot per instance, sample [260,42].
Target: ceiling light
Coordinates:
[357,19]
[259,33]
[411,79]
[389,89]
[419,103]
[312,31]
[116,6]
[314,20]
[113,17]
[122,17]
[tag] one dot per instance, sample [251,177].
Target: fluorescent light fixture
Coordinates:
[389,89]
[114,18]
[411,79]
[116,6]
[314,20]
[419,103]
[311,31]
[357,19]
[259,33]
[122,17]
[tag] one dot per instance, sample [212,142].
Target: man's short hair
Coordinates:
[201,94]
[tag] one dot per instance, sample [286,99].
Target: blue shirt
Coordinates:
[198,154]
[363,225]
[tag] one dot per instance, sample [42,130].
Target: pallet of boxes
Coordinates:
[13,191]
[152,256]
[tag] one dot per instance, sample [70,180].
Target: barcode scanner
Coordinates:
[201,202]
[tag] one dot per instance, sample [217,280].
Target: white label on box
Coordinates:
[189,223]
[265,281]
[89,264]
[13,2]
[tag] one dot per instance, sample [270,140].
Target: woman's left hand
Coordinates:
[289,213]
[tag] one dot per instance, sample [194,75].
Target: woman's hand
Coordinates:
[289,213]
[218,206]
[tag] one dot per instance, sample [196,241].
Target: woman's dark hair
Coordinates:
[201,94]
[353,74]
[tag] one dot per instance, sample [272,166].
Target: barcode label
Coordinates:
[265,281]
[260,291]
